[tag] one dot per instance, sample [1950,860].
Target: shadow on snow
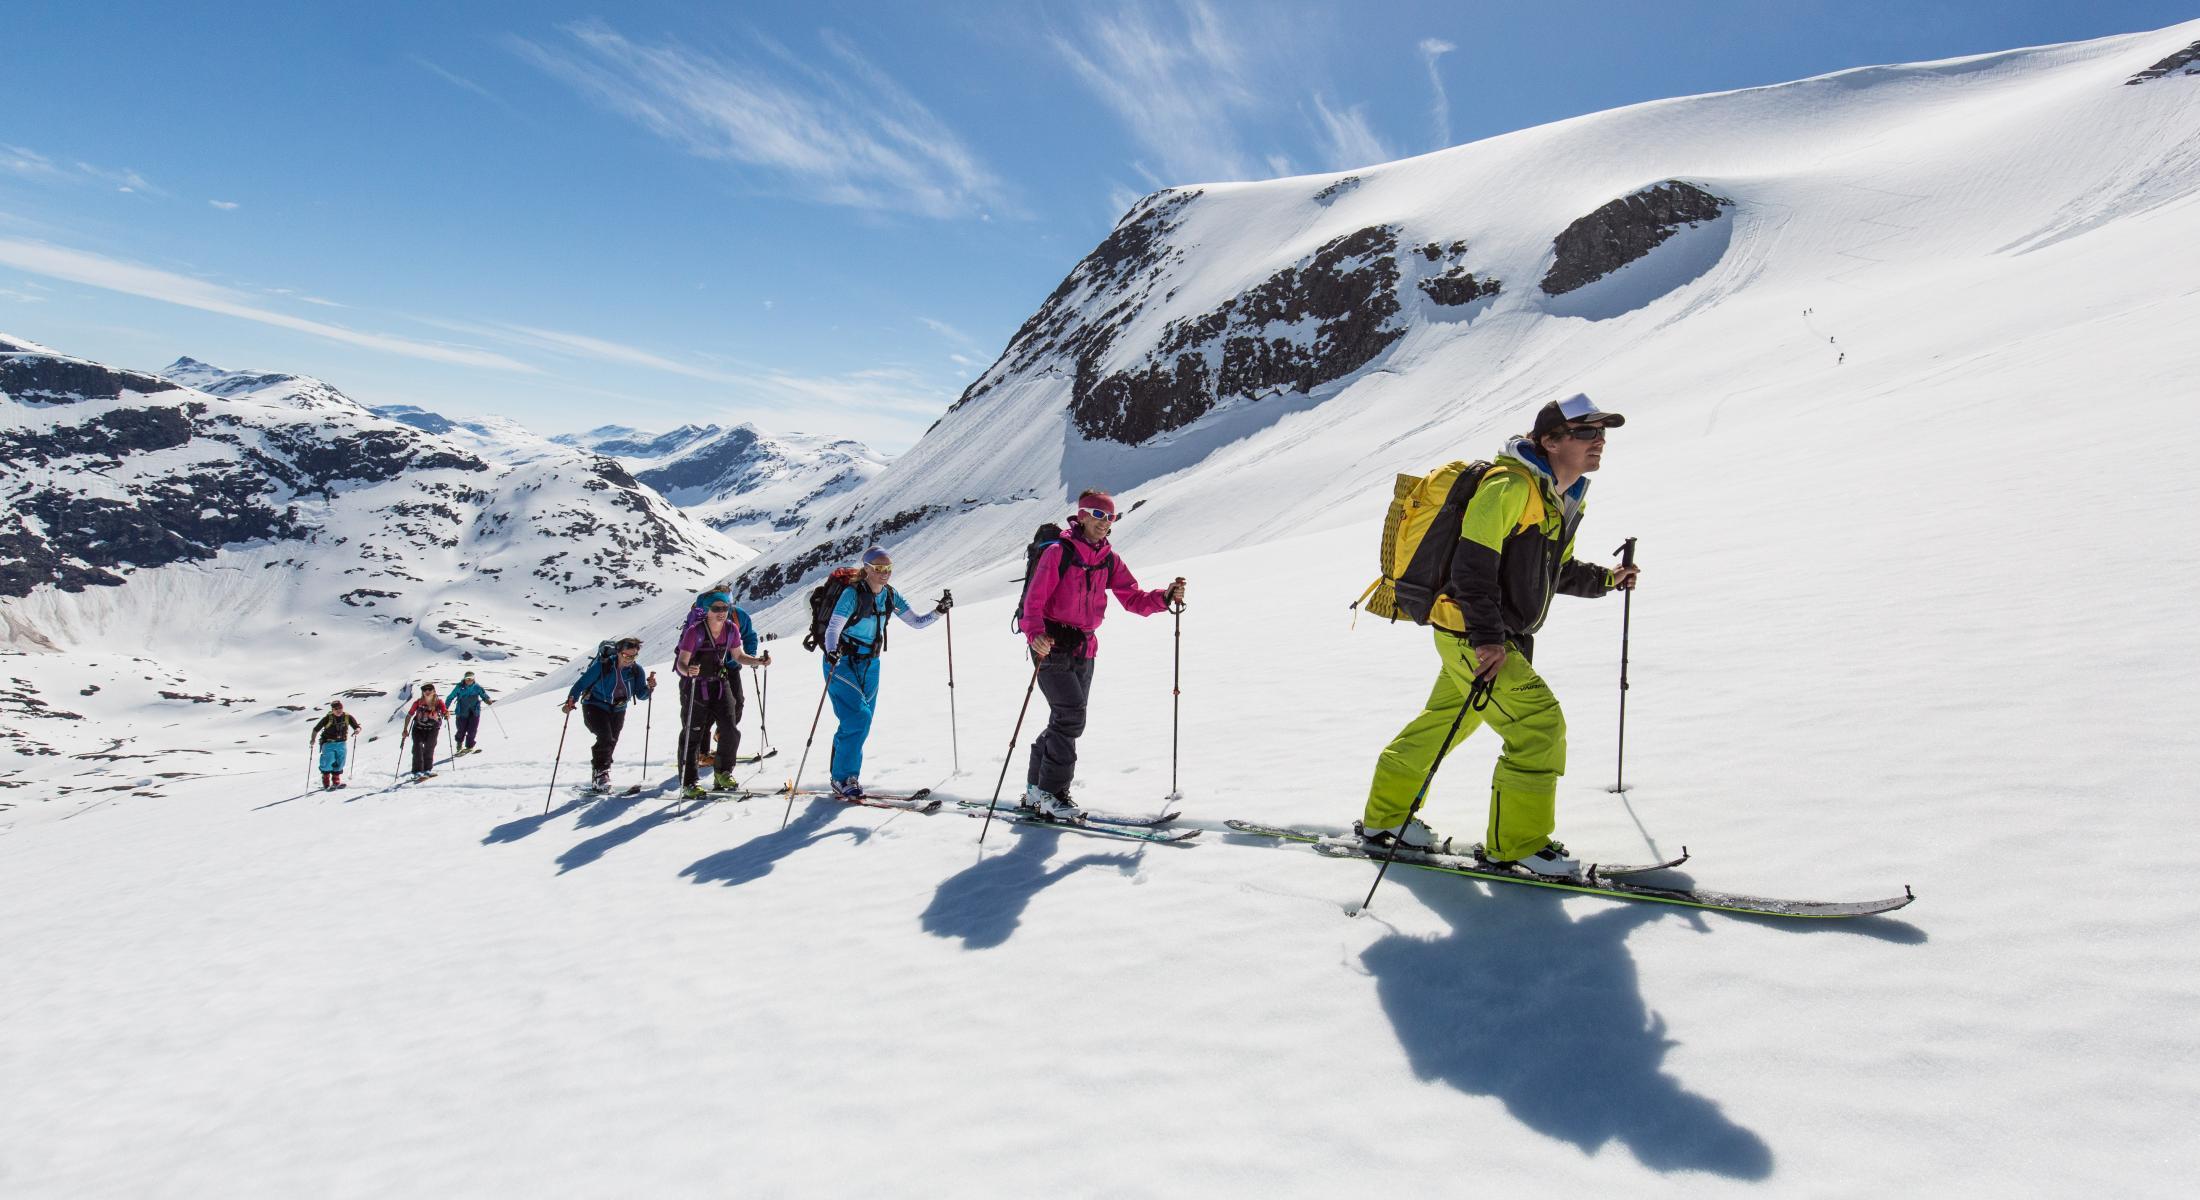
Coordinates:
[753,859]
[983,903]
[594,848]
[1525,1004]
[514,830]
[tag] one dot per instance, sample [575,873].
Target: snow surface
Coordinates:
[1913,618]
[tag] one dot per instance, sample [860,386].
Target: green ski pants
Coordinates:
[1523,788]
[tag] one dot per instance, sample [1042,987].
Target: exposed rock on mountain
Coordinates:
[123,480]
[1624,230]
[34,375]
[2184,62]
[1317,320]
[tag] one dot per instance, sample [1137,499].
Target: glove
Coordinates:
[946,602]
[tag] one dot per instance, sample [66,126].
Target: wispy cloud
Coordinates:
[460,81]
[224,205]
[20,297]
[26,163]
[76,266]
[949,332]
[1346,138]
[1439,109]
[1178,82]
[839,131]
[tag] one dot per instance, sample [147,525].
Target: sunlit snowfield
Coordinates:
[1916,617]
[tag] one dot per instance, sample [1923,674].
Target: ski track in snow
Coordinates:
[1909,618]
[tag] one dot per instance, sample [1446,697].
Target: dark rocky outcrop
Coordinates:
[1338,304]
[723,461]
[1454,285]
[1081,318]
[1625,230]
[79,541]
[2184,62]
[1336,189]
[35,378]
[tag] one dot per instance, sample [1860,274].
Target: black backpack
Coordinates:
[826,596]
[1048,535]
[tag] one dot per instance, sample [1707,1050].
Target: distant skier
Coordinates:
[709,660]
[333,733]
[1515,549]
[466,700]
[854,636]
[1066,600]
[425,720]
[602,692]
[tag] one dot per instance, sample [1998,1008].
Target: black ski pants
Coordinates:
[469,725]
[423,737]
[712,705]
[605,723]
[1066,681]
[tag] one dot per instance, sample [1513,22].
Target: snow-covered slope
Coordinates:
[1738,257]
[751,485]
[1914,612]
[271,535]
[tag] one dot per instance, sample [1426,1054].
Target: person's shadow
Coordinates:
[983,903]
[594,848]
[1544,1011]
[753,859]
[514,830]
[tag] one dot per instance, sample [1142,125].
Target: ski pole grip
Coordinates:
[1627,553]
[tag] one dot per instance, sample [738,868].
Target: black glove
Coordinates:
[946,602]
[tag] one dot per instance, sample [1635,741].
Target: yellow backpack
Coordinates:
[1416,565]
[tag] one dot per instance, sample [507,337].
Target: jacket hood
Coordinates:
[1523,453]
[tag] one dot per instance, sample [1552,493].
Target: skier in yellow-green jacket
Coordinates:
[1515,551]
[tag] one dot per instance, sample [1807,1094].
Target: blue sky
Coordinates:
[818,216]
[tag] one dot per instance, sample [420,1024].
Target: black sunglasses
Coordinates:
[1585,433]
[717,608]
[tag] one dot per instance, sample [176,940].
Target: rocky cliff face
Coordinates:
[1628,228]
[2184,62]
[110,473]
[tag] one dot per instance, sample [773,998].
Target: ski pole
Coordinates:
[1011,755]
[649,716]
[763,708]
[1176,700]
[797,780]
[309,760]
[1477,698]
[450,727]
[403,730]
[954,724]
[555,761]
[1626,617]
[499,720]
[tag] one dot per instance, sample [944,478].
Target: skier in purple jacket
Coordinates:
[1060,619]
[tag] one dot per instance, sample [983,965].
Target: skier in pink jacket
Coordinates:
[1060,618]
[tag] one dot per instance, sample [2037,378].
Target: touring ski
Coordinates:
[1091,817]
[920,800]
[1595,881]
[1136,833]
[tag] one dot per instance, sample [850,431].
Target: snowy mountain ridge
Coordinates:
[225,533]
[1303,339]
[751,485]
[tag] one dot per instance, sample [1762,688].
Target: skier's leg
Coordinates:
[1404,764]
[722,719]
[1067,684]
[1524,786]
[853,714]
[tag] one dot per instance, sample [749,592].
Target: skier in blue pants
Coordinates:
[854,637]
